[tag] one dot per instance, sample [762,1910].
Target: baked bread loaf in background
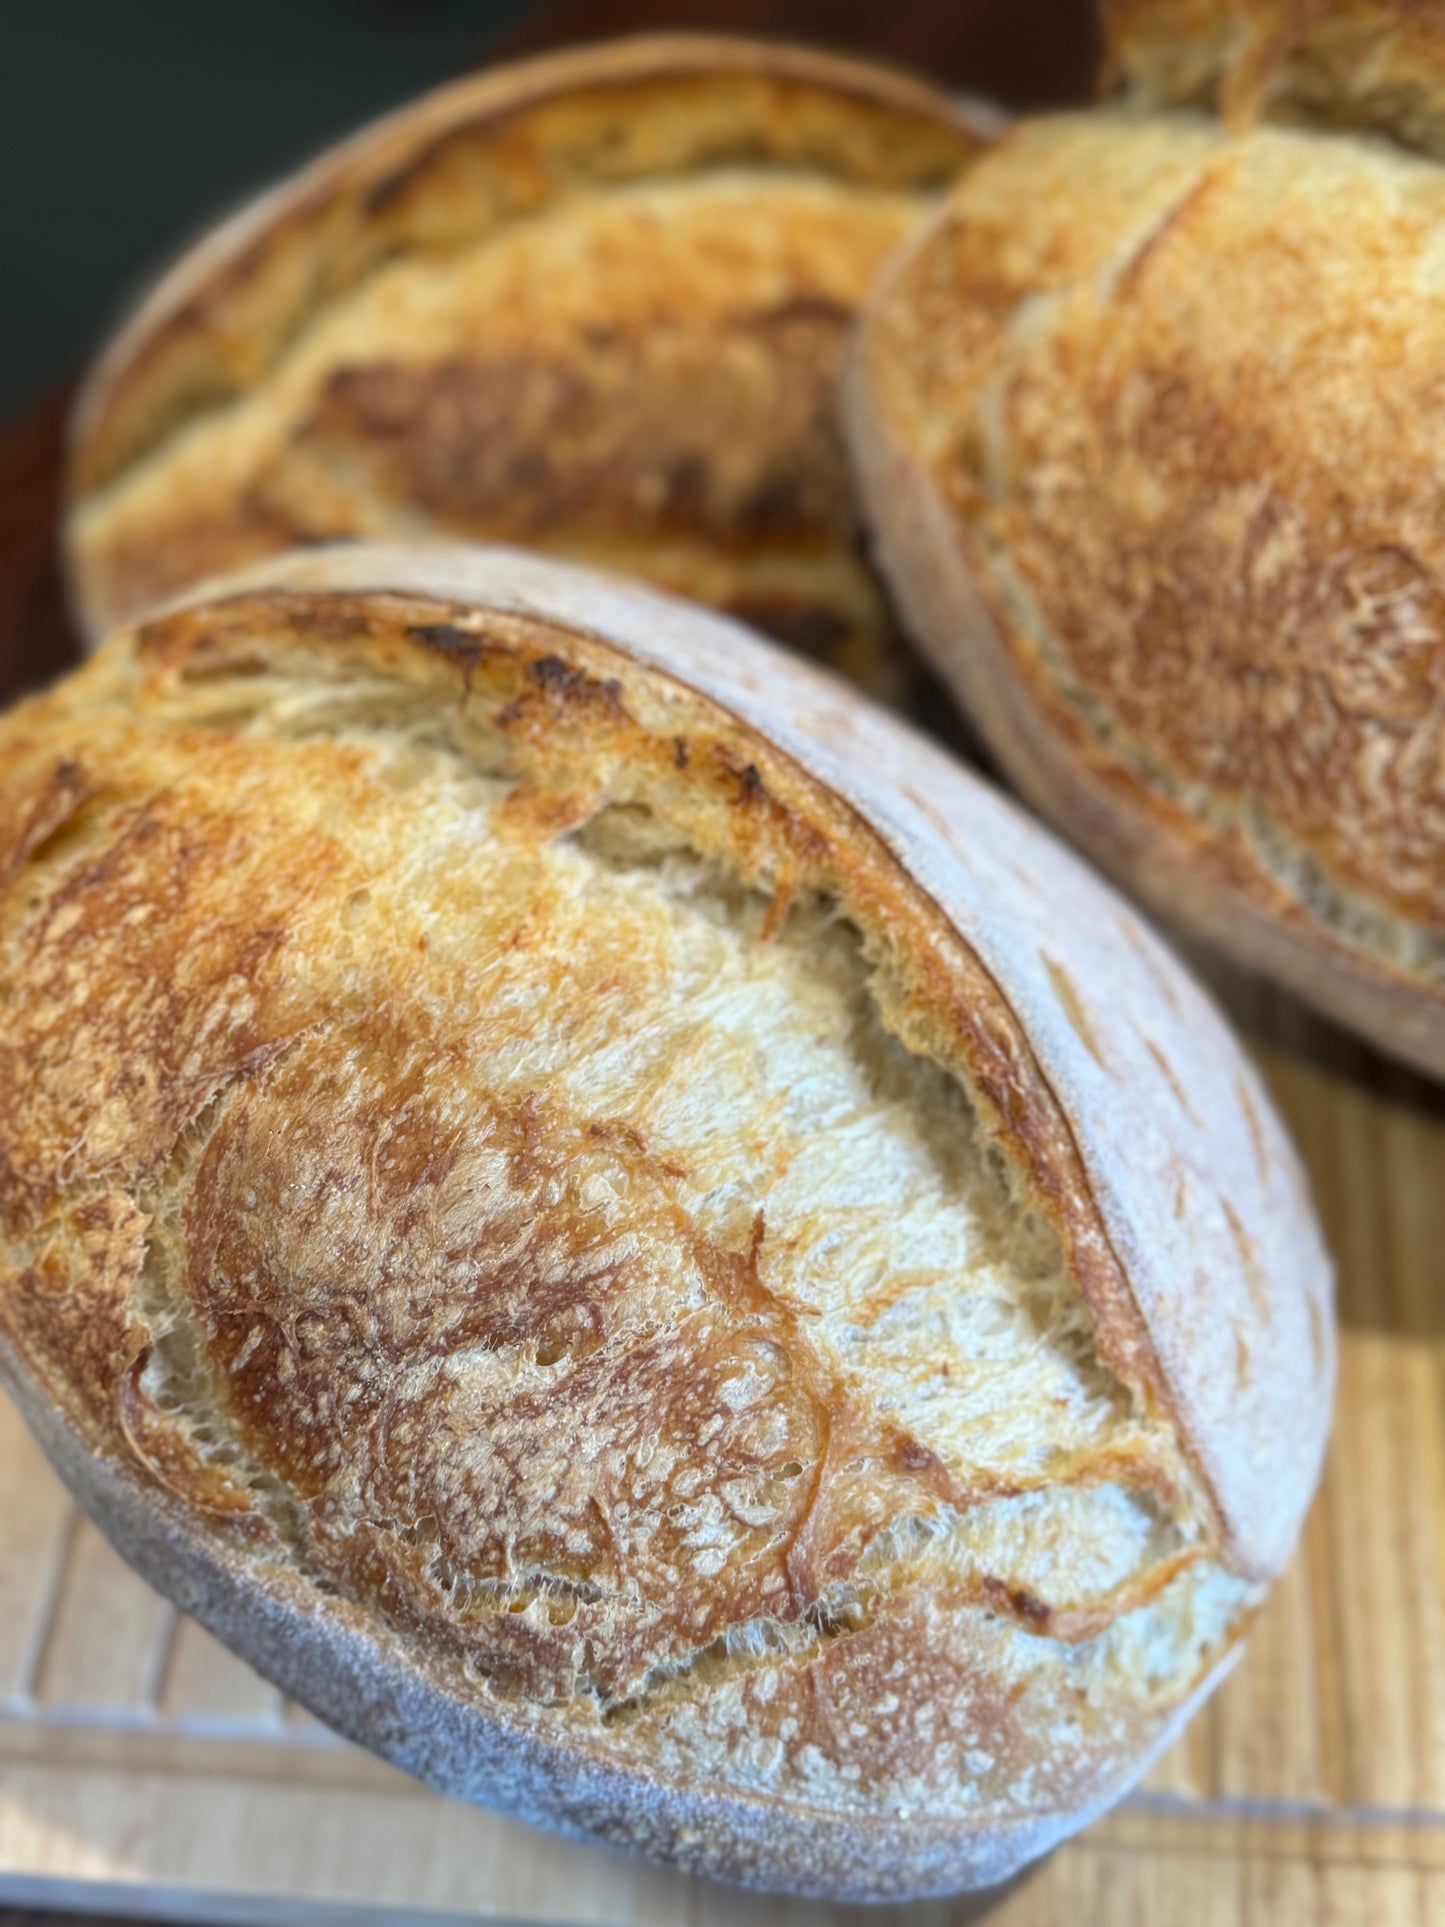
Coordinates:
[596,303]
[629,1233]
[1149,426]
[1372,65]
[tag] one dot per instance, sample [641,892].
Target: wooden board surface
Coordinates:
[142,1769]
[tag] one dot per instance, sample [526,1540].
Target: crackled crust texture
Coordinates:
[1149,426]
[595,303]
[629,1234]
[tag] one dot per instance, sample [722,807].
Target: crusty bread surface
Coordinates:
[633,1236]
[1373,65]
[596,303]
[1148,428]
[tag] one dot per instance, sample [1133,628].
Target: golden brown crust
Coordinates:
[400,1235]
[1211,629]
[1373,65]
[596,303]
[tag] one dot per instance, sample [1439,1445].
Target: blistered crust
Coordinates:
[1181,556]
[596,303]
[482,1213]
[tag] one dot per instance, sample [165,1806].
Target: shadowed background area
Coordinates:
[125,129]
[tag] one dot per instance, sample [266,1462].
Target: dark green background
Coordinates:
[126,125]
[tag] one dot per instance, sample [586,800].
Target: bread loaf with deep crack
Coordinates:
[632,1235]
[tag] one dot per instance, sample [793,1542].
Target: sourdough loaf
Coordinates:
[1370,65]
[634,1237]
[596,303]
[1149,427]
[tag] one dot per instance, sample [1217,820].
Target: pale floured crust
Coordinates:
[1180,555]
[629,1233]
[596,303]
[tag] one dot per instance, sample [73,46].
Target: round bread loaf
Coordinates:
[1373,65]
[1149,429]
[635,1238]
[596,303]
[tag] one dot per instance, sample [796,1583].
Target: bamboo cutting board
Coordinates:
[143,1770]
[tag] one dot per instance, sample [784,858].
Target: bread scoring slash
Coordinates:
[629,1233]
[596,303]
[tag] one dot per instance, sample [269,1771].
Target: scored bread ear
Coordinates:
[1376,66]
